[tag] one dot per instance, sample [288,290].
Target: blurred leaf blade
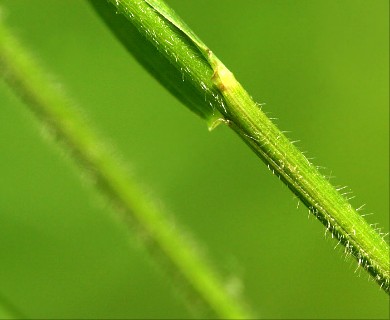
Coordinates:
[178,80]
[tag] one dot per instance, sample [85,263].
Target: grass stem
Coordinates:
[165,241]
[219,98]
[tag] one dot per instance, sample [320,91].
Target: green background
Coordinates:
[321,67]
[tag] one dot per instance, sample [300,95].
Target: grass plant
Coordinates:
[168,49]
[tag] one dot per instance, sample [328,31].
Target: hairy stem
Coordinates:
[163,239]
[221,99]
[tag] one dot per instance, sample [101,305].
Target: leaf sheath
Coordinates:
[225,100]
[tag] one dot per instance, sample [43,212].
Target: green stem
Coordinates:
[221,99]
[164,240]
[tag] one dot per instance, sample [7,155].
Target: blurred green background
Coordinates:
[321,67]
